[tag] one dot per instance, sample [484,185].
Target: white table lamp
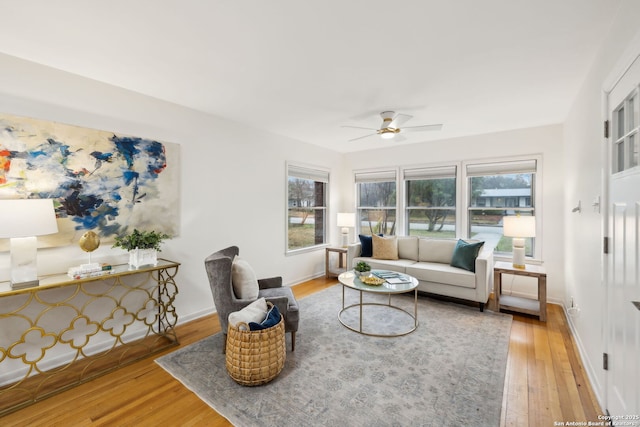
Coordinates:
[22,220]
[346,221]
[518,227]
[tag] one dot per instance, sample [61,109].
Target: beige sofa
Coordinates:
[428,260]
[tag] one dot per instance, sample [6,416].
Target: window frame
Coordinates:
[371,176]
[506,166]
[626,135]
[318,174]
[424,173]
[492,166]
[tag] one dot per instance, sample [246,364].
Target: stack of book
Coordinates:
[392,277]
[89,270]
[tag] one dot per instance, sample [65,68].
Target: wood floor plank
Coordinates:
[544,375]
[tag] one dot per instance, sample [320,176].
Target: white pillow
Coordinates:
[254,312]
[243,279]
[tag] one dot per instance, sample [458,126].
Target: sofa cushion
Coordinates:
[386,264]
[408,247]
[442,273]
[366,245]
[436,250]
[465,254]
[243,279]
[385,247]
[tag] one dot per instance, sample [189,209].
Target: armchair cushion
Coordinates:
[243,279]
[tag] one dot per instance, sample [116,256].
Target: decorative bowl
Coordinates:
[372,280]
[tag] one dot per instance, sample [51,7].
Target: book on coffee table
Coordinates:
[392,277]
[397,280]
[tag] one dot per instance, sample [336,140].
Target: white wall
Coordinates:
[233,189]
[584,163]
[546,141]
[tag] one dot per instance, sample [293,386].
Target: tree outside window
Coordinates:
[430,201]
[376,206]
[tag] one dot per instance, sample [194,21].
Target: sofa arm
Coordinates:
[484,272]
[353,251]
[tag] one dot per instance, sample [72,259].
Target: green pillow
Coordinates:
[465,254]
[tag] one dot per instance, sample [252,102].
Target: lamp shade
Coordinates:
[346,220]
[519,226]
[27,217]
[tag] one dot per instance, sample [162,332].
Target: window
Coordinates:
[307,207]
[625,130]
[430,206]
[376,199]
[496,190]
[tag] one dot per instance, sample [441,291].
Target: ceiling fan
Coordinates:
[391,126]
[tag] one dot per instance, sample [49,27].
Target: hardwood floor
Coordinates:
[545,382]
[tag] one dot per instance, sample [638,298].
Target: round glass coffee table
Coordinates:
[400,284]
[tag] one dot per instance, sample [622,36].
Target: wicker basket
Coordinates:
[255,357]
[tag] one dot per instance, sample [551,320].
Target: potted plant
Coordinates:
[143,246]
[362,268]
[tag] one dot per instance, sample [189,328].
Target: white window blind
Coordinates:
[499,168]
[430,173]
[308,173]
[377,176]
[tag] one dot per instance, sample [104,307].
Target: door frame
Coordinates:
[630,56]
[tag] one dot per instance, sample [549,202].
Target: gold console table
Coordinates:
[66,332]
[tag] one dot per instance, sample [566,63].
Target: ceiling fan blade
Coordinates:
[358,127]
[399,120]
[362,137]
[421,128]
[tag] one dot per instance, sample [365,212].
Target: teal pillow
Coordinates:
[465,254]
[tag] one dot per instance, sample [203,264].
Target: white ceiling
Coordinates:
[305,68]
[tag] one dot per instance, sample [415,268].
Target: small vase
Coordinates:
[142,257]
[362,273]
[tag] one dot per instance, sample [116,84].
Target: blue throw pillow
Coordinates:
[367,245]
[465,254]
[272,319]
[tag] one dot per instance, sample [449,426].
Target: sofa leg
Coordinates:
[481,307]
[293,341]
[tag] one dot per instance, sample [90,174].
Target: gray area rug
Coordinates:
[448,372]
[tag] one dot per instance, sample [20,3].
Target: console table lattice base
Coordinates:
[67,332]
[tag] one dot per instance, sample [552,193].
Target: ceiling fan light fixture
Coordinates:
[386,134]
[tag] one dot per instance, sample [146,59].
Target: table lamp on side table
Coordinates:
[519,227]
[346,221]
[22,220]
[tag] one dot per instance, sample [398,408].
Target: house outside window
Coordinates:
[430,205]
[306,207]
[496,190]
[376,202]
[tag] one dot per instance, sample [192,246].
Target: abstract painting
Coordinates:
[98,180]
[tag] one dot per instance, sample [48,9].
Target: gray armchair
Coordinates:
[218,266]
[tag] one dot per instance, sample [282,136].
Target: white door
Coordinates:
[623,261]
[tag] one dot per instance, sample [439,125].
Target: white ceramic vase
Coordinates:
[142,257]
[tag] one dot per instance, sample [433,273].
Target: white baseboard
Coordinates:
[586,361]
